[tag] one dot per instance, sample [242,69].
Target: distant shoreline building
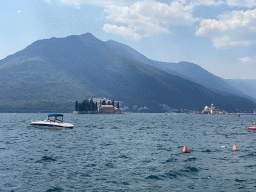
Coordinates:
[213,110]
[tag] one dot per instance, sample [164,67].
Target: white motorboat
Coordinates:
[54,121]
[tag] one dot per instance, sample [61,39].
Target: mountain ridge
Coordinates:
[81,66]
[183,69]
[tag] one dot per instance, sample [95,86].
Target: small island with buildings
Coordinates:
[213,110]
[91,107]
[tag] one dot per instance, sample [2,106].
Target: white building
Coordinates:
[211,110]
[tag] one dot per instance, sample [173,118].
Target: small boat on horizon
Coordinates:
[54,121]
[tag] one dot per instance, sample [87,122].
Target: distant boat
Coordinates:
[236,115]
[54,121]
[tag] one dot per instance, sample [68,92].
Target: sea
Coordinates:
[128,152]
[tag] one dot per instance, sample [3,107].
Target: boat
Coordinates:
[54,121]
[252,128]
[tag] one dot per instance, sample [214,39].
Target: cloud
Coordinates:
[19,11]
[237,3]
[234,20]
[225,42]
[239,25]
[49,1]
[208,2]
[76,3]
[242,3]
[123,31]
[103,3]
[148,18]
[244,59]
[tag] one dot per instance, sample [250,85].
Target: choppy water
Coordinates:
[132,152]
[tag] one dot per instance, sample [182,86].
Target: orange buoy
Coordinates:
[254,123]
[185,149]
[235,148]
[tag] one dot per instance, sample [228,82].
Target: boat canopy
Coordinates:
[54,115]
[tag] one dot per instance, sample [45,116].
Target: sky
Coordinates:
[218,35]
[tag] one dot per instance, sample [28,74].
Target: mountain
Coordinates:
[247,86]
[51,74]
[183,69]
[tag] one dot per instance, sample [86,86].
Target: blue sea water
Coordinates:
[128,152]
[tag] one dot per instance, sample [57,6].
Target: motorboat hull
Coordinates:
[252,128]
[51,125]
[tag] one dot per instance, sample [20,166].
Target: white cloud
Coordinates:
[208,2]
[242,3]
[244,59]
[49,1]
[182,1]
[19,11]
[234,20]
[237,25]
[123,31]
[148,18]
[130,2]
[103,3]
[76,3]
[237,3]
[225,42]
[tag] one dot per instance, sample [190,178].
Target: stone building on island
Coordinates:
[212,110]
[109,109]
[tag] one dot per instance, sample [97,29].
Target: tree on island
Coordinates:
[76,106]
[89,105]
[117,105]
[86,105]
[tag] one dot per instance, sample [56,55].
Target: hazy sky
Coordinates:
[218,35]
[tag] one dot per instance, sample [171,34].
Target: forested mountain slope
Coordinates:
[50,75]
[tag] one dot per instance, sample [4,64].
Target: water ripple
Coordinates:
[133,152]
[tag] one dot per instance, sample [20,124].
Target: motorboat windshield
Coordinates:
[55,117]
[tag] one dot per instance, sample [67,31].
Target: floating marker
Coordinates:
[185,149]
[235,148]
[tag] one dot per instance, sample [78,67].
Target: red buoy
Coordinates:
[235,148]
[185,149]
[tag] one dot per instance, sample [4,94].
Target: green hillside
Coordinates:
[31,84]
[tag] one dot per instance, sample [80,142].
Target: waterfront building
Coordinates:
[212,110]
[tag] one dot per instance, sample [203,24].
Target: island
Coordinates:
[91,107]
